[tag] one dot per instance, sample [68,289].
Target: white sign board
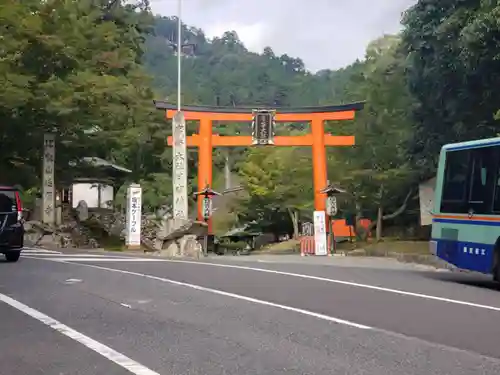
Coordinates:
[320,243]
[48,188]
[426,197]
[134,216]
[179,180]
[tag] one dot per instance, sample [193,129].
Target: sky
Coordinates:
[325,34]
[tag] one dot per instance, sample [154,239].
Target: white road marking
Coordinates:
[232,295]
[73,281]
[65,259]
[105,351]
[33,250]
[342,282]
[50,255]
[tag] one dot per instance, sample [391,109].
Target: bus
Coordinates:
[466,214]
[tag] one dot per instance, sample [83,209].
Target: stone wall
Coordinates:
[84,228]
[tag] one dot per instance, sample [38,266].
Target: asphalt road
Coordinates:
[111,314]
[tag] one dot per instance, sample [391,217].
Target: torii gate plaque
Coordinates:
[263,121]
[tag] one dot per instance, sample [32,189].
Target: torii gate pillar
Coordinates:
[319,163]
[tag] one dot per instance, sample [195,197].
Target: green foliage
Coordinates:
[278,181]
[74,68]
[453,73]
[377,169]
[222,71]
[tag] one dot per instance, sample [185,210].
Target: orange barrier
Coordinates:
[341,229]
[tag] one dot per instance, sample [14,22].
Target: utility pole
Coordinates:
[179,53]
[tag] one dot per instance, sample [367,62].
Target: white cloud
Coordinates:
[323,33]
[251,35]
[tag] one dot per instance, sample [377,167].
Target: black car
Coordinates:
[11,223]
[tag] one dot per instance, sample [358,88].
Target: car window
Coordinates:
[7,201]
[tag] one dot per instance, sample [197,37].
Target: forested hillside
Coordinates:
[223,72]
[80,67]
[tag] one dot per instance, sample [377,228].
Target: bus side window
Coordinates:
[482,180]
[454,198]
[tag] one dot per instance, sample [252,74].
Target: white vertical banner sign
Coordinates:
[48,188]
[320,243]
[134,216]
[179,180]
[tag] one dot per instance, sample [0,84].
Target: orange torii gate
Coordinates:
[206,140]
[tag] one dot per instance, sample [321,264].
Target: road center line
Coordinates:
[55,256]
[342,282]
[95,260]
[231,295]
[105,351]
